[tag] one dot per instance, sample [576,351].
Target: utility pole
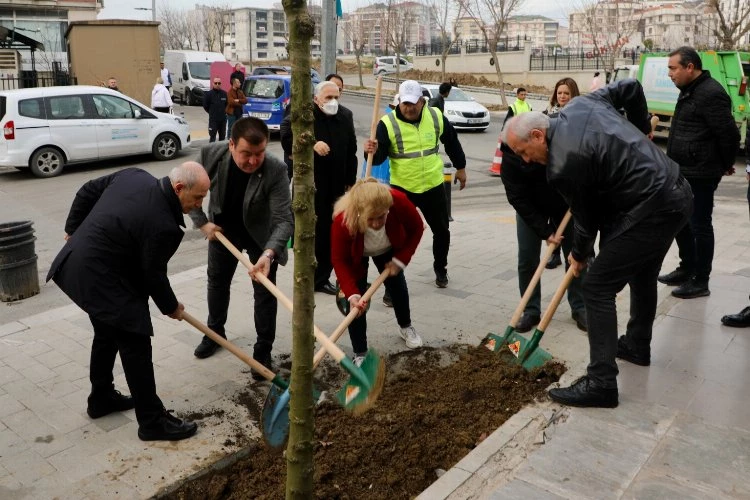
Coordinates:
[328,37]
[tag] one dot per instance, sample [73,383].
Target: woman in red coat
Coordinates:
[373,220]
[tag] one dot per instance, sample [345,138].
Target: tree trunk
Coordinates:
[299,453]
[499,72]
[358,54]
[443,58]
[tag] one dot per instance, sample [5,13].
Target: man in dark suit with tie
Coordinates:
[251,205]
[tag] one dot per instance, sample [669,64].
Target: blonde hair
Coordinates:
[159,80]
[367,198]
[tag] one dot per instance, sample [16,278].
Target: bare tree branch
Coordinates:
[733,23]
[357,32]
[441,12]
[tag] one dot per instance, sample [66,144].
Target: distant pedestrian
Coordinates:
[703,140]
[112,83]
[439,100]
[160,99]
[519,105]
[239,74]
[235,101]
[165,76]
[215,104]
[121,231]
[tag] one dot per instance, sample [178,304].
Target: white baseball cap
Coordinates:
[410,91]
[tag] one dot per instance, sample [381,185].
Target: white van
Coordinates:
[46,128]
[191,73]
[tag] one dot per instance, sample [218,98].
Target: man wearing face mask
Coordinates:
[335,170]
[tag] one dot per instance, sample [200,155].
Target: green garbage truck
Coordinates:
[730,68]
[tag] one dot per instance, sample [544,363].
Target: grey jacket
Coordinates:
[267,206]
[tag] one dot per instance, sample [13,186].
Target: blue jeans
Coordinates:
[529,245]
[230,121]
[695,240]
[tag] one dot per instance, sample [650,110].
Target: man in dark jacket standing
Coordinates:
[539,210]
[335,170]
[439,100]
[620,185]
[215,103]
[121,232]
[250,205]
[703,140]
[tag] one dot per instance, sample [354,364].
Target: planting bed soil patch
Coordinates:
[436,406]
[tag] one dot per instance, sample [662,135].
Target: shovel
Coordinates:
[527,351]
[275,416]
[495,342]
[258,367]
[366,381]
[374,124]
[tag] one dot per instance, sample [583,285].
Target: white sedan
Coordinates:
[462,111]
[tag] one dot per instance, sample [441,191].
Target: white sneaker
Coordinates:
[411,337]
[358,359]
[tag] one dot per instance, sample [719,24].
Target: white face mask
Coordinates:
[331,107]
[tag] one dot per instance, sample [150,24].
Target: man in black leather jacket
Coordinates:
[703,140]
[620,185]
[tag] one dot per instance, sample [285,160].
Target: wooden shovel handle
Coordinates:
[267,374]
[556,298]
[538,273]
[374,125]
[336,353]
[336,335]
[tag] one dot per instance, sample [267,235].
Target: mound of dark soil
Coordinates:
[435,407]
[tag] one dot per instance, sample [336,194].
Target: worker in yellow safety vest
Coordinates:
[410,138]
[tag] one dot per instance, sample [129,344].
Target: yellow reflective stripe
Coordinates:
[397,134]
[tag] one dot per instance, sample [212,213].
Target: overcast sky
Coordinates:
[126,9]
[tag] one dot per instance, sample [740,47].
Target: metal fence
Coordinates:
[551,62]
[472,46]
[32,79]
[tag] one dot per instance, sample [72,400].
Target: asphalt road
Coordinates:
[46,201]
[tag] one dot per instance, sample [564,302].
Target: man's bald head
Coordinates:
[191,184]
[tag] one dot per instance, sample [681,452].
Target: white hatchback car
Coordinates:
[46,128]
[462,111]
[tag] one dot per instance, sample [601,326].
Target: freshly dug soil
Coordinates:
[437,404]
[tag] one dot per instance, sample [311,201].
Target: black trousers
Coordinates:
[396,287]
[434,206]
[162,109]
[214,127]
[696,240]
[221,267]
[135,354]
[632,258]
[323,222]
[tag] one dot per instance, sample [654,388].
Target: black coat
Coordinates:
[703,137]
[215,104]
[610,174]
[238,75]
[124,228]
[338,170]
[437,102]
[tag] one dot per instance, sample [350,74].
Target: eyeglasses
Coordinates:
[217,83]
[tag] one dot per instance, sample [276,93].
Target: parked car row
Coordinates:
[45,129]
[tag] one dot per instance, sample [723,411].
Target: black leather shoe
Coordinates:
[585,393]
[265,360]
[168,428]
[579,317]
[632,355]
[527,322]
[676,277]
[115,401]
[739,320]
[327,288]
[691,290]
[441,279]
[554,261]
[206,348]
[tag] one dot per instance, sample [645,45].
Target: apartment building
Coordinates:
[612,24]
[411,22]
[541,31]
[44,22]
[468,30]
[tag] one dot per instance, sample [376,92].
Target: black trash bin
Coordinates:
[19,278]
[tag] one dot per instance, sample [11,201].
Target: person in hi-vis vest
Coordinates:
[410,138]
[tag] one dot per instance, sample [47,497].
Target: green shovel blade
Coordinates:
[365,383]
[495,342]
[527,350]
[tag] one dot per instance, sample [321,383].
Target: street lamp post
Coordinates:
[152,9]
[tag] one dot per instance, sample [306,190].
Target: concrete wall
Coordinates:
[515,67]
[126,50]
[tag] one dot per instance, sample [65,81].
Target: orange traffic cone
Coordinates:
[497,161]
